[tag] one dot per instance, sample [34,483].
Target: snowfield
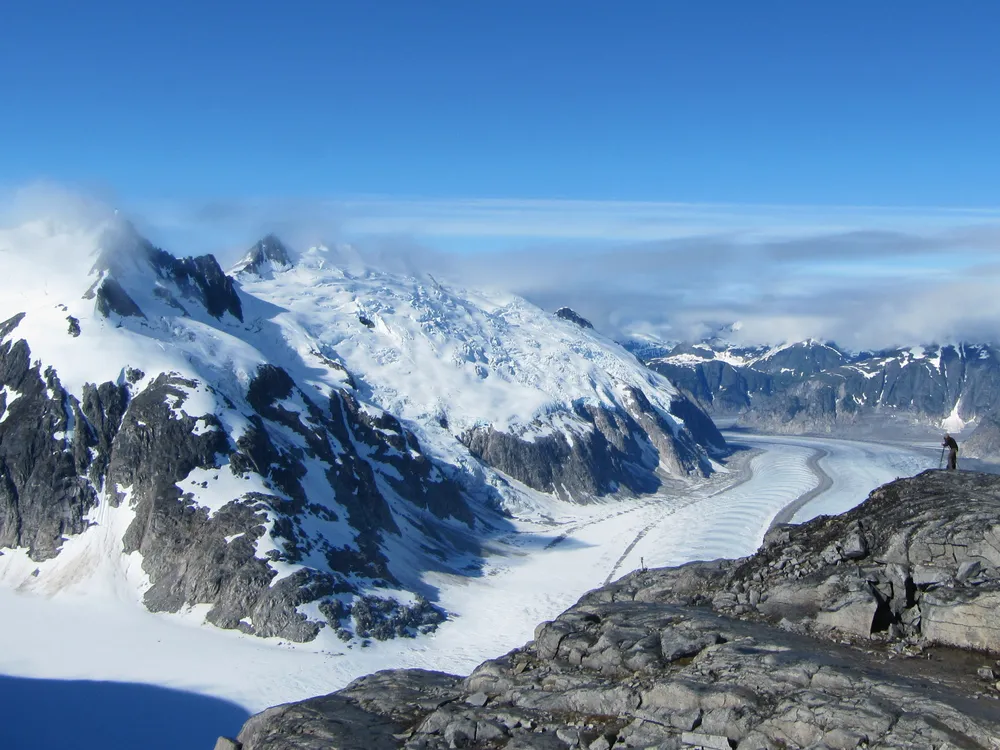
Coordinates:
[533,574]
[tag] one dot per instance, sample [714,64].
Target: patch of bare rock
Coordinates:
[878,628]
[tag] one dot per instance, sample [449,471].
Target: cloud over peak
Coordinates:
[862,276]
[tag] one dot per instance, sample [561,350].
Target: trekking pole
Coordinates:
[941,460]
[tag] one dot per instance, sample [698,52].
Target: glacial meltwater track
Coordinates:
[807,476]
[533,576]
[855,468]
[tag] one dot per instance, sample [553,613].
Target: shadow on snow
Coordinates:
[89,715]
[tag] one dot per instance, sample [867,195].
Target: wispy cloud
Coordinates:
[618,221]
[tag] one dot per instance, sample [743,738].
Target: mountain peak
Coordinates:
[132,274]
[121,247]
[568,313]
[267,255]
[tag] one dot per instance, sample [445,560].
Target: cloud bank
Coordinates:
[865,277]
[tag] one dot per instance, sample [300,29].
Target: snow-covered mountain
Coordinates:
[292,446]
[810,385]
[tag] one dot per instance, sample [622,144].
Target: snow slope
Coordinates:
[435,356]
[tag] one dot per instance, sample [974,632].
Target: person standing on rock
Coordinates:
[952,446]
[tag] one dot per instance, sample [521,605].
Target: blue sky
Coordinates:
[890,103]
[541,127]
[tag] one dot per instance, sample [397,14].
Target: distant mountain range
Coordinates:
[290,446]
[814,386]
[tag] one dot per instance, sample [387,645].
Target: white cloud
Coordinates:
[553,220]
[864,276]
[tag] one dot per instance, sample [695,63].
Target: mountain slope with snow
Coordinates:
[543,399]
[292,447]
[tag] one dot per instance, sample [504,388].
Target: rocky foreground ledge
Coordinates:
[879,628]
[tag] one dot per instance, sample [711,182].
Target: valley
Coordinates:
[530,575]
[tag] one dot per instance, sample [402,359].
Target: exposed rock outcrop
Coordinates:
[266,256]
[44,457]
[568,313]
[862,630]
[919,554]
[612,449]
[124,252]
[984,442]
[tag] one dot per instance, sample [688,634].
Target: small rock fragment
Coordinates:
[477,699]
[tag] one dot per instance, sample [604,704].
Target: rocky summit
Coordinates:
[873,629]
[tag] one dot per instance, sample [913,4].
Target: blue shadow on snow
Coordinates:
[87,715]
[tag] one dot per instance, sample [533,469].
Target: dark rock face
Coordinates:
[203,279]
[812,386]
[415,477]
[104,407]
[820,639]
[614,449]
[60,458]
[185,551]
[719,386]
[699,424]
[803,359]
[112,298]
[44,493]
[568,313]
